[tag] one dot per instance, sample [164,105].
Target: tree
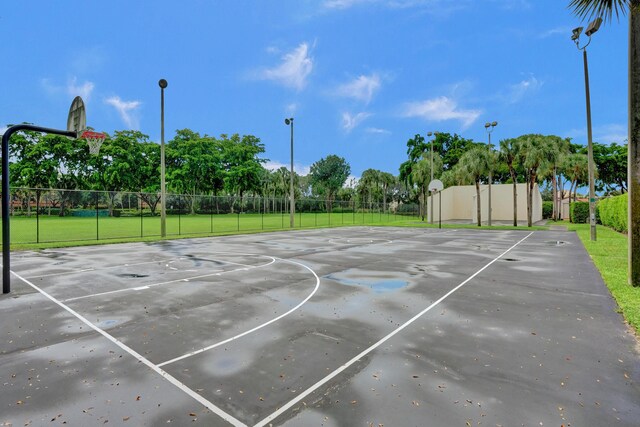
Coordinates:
[607,8]
[556,149]
[328,175]
[242,165]
[421,177]
[34,167]
[386,180]
[473,166]
[509,155]
[535,149]
[117,167]
[575,168]
[611,162]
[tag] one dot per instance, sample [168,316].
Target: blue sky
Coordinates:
[360,77]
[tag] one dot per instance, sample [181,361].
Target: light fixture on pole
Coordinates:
[591,29]
[435,135]
[163,190]
[489,127]
[292,205]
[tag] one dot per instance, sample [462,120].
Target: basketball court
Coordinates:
[331,327]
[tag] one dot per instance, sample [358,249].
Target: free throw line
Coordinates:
[193,353]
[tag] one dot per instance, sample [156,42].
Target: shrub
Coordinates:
[547,210]
[613,212]
[579,212]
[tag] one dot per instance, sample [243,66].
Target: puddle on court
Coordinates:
[555,243]
[378,285]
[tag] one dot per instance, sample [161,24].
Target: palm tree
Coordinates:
[474,165]
[387,180]
[420,174]
[608,8]
[534,152]
[509,155]
[575,167]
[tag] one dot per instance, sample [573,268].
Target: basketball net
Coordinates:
[95,140]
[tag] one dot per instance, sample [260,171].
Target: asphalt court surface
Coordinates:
[354,326]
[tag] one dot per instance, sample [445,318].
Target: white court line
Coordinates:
[184,279]
[141,358]
[193,353]
[100,269]
[333,374]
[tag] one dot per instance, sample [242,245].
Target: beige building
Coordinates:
[459,203]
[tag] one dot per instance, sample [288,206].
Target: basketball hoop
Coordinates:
[95,140]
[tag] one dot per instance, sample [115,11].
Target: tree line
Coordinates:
[232,166]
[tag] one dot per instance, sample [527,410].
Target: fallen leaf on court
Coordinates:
[261,399]
[19,402]
[138,397]
[192,414]
[415,402]
[626,375]
[353,402]
[126,418]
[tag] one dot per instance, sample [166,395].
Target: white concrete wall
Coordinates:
[459,202]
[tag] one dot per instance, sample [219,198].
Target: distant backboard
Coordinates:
[77,121]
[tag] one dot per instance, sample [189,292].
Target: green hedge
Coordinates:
[547,210]
[579,213]
[613,212]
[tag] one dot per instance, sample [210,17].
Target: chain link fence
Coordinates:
[59,215]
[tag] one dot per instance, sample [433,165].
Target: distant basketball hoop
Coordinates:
[94,139]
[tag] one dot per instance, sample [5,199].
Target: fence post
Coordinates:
[211,214]
[97,218]
[179,214]
[37,217]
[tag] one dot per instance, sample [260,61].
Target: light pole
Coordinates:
[435,135]
[591,28]
[292,206]
[489,127]
[163,190]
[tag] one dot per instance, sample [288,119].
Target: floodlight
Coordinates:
[593,27]
[494,124]
[163,83]
[287,121]
[576,33]
[487,125]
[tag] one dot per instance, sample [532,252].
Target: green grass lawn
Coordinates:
[609,254]
[49,231]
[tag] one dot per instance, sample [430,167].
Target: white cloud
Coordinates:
[607,134]
[350,121]
[351,182]
[361,88]
[377,130]
[126,109]
[441,109]
[3,129]
[433,7]
[84,90]
[290,109]
[604,134]
[564,31]
[72,88]
[343,4]
[518,91]
[273,165]
[294,69]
